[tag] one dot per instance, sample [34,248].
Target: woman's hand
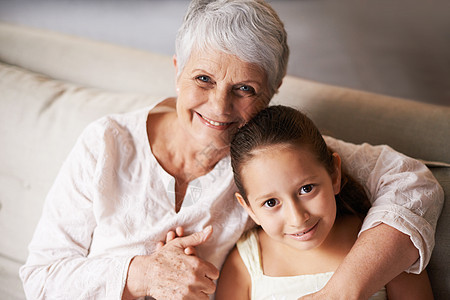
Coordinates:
[171,274]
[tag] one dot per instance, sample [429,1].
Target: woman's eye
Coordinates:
[246,90]
[271,203]
[203,78]
[306,189]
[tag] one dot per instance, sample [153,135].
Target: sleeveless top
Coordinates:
[280,288]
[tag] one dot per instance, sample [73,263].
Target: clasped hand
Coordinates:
[173,271]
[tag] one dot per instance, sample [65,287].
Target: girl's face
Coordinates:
[217,94]
[291,195]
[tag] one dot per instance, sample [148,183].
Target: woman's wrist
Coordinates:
[135,284]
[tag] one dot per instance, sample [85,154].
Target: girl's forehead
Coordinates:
[290,155]
[278,147]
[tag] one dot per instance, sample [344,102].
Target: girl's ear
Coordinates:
[336,176]
[247,208]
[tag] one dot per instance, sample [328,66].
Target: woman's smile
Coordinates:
[221,92]
[214,124]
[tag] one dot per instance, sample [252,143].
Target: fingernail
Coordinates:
[207,229]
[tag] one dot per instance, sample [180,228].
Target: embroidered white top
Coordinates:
[112,201]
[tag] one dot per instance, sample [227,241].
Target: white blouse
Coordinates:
[112,201]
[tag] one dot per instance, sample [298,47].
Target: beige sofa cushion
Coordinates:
[356,116]
[40,117]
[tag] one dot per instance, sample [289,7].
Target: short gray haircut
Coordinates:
[249,29]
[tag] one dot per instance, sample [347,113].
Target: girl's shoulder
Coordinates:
[349,227]
[234,281]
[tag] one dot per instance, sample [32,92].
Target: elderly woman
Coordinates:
[132,178]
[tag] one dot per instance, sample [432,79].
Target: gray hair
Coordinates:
[249,29]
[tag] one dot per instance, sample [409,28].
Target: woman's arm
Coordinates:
[399,229]
[234,280]
[410,286]
[378,255]
[58,266]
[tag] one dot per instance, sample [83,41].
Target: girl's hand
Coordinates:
[179,232]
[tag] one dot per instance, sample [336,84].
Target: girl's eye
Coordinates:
[271,203]
[306,189]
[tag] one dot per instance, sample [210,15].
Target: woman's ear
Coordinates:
[174,60]
[336,176]
[247,208]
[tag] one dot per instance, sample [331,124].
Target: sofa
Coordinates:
[52,85]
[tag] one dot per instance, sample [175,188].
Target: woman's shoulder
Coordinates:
[129,121]
[118,125]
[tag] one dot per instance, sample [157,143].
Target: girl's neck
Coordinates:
[280,260]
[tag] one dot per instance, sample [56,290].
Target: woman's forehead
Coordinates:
[219,61]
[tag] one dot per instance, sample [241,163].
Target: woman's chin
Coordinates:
[216,139]
[216,144]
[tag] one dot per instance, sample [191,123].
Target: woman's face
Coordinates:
[217,94]
[291,195]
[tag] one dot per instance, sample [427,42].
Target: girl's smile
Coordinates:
[304,235]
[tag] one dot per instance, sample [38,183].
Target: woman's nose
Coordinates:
[222,101]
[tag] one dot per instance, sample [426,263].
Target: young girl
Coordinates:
[308,211]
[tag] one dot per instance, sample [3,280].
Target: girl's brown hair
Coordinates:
[285,125]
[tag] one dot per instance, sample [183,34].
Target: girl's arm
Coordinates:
[234,280]
[410,286]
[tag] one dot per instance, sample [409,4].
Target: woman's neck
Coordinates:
[172,149]
[178,155]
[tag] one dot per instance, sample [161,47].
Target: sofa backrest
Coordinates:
[356,116]
[42,117]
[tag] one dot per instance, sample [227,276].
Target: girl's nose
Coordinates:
[296,214]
